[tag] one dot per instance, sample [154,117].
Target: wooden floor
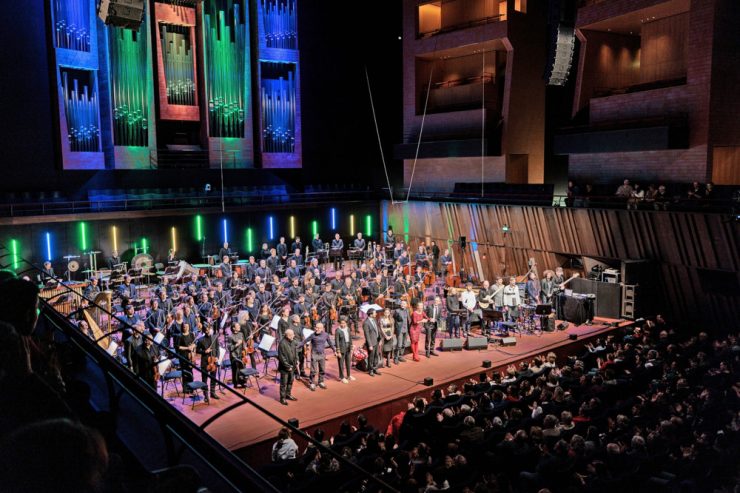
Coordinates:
[244,426]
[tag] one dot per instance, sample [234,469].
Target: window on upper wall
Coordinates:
[520,6]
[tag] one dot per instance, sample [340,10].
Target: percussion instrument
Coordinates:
[142,261]
[73,266]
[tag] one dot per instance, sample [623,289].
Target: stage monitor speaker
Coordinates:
[428,381]
[294,422]
[508,341]
[487,363]
[452,344]
[573,337]
[463,242]
[122,13]
[477,343]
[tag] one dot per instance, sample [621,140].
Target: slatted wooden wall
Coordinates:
[685,247]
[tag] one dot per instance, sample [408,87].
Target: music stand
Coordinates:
[543,311]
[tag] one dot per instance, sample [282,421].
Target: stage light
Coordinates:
[226,232]
[114,232]
[14,250]
[48,247]
[198,228]
[333,218]
[292,227]
[272,230]
[352,224]
[315,227]
[173,232]
[250,240]
[368,225]
[144,245]
[83,236]
[505,228]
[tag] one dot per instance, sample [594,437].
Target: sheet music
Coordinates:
[307,333]
[274,323]
[266,342]
[221,354]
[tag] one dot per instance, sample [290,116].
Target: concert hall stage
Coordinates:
[249,432]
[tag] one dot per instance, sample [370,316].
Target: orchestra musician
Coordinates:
[337,245]
[145,357]
[206,347]
[273,261]
[469,302]
[453,313]
[92,289]
[533,289]
[512,299]
[297,245]
[225,266]
[224,251]
[548,287]
[185,348]
[434,252]
[235,344]
[390,239]
[113,260]
[48,271]
[127,289]
[282,250]
[265,251]
[421,258]
[316,243]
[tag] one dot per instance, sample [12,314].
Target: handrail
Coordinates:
[185,363]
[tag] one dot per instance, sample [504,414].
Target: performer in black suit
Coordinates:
[287,360]
[434,314]
[343,344]
[372,338]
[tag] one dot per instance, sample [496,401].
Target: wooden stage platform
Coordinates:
[249,432]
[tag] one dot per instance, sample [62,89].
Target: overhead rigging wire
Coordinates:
[377,132]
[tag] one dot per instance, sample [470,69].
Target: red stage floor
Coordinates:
[244,426]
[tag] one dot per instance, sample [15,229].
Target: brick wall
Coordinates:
[669,101]
[440,174]
[673,166]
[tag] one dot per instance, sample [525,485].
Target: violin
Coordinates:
[211,366]
[315,314]
[333,316]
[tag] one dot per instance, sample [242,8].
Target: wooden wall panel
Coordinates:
[680,244]
[726,165]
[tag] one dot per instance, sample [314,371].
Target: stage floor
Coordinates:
[244,426]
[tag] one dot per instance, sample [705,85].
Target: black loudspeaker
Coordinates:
[452,344]
[486,363]
[477,343]
[463,242]
[573,337]
[508,341]
[122,13]
[562,42]
[428,381]
[294,422]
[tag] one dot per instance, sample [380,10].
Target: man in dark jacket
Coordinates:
[287,360]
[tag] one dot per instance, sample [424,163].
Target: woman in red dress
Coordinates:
[417,318]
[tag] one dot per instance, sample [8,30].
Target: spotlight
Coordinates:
[486,363]
[505,228]
[428,381]
[208,187]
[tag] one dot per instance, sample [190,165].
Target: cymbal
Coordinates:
[67,257]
